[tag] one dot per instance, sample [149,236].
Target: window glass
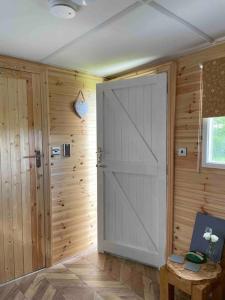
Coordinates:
[216,140]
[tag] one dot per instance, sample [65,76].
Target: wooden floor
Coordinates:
[83,278]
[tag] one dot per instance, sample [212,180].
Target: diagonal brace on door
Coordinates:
[112,95]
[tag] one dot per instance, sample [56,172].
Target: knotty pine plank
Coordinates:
[37,113]
[195,190]
[7,185]
[73,180]
[25,177]
[3,91]
[16,178]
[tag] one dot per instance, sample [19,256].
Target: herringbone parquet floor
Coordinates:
[78,279]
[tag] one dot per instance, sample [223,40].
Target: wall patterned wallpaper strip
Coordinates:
[214,88]
[73,179]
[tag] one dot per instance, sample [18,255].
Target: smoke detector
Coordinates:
[64,9]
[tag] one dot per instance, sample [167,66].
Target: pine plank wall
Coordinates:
[196,188]
[73,180]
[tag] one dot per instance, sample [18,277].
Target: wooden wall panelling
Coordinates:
[13,63]
[196,188]
[170,69]
[73,180]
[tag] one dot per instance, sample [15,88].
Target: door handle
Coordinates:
[30,156]
[99,156]
[37,156]
[100,166]
[99,150]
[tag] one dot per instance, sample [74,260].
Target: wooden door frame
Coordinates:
[15,64]
[171,69]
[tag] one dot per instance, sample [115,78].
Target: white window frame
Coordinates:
[206,146]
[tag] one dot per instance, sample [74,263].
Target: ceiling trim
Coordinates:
[153,63]
[109,21]
[173,16]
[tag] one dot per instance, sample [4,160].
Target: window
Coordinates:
[213,154]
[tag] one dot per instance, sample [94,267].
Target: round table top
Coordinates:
[207,272]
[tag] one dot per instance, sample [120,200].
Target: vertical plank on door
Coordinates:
[14,138]
[46,170]
[3,92]
[37,119]
[25,175]
[33,183]
[6,185]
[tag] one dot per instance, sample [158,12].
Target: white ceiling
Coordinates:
[109,36]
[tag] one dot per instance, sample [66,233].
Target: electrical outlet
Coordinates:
[182,152]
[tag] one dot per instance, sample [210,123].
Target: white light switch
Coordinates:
[56,151]
[182,152]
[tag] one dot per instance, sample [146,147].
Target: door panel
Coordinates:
[132,168]
[21,202]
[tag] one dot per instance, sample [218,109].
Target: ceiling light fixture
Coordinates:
[64,9]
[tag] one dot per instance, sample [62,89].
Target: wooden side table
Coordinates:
[198,285]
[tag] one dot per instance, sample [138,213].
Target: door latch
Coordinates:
[100,158]
[37,156]
[99,155]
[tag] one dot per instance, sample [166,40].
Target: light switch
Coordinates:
[182,152]
[56,151]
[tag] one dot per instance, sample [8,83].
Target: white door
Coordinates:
[131,129]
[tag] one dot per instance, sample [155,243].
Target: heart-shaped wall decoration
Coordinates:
[81,108]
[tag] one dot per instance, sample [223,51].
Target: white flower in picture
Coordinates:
[214,238]
[207,236]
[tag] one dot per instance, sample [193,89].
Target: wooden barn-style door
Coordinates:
[132,163]
[22,246]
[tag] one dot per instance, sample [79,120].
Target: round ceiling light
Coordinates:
[61,9]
